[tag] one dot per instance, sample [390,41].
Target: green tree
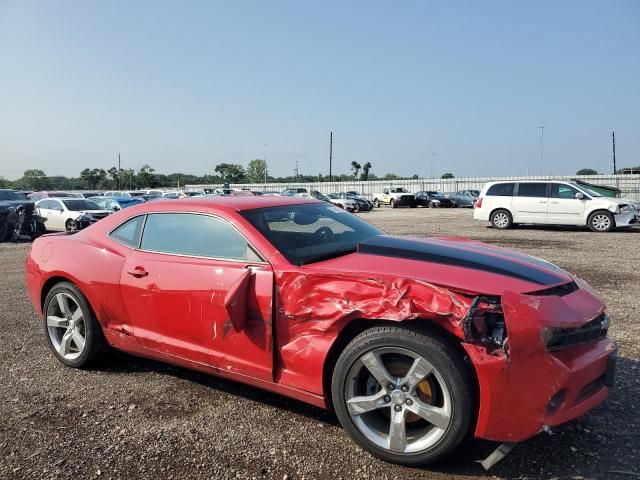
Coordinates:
[92,177]
[447,175]
[231,172]
[355,168]
[256,171]
[35,179]
[145,178]
[116,176]
[391,176]
[587,171]
[366,168]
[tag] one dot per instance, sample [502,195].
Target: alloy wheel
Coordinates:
[66,326]
[601,222]
[398,400]
[500,220]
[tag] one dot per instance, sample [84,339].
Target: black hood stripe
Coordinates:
[446,254]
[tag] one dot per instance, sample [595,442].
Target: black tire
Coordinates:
[501,219]
[393,203]
[71,225]
[444,358]
[95,342]
[376,203]
[601,221]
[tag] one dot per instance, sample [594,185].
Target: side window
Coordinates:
[45,205]
[559,190]
[385,191]
[196,235]
[55,205]
[129,232]
[532,190]
[501,190]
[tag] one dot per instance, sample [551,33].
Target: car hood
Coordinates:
[459,264]
[15,203]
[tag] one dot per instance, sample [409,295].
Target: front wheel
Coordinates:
[376,203]
[393,203]
[71,225]
[601,221]
[403,396]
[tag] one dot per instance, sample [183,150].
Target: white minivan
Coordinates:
[552,203]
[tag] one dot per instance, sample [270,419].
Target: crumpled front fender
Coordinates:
[312,309]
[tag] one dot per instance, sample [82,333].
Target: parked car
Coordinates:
[465,198]
[414,343]
[343,202]
[116,193]
[69,214]
[35,196]
[364,205]
[505,204]
[293,192]
[395,197]
[116,203]
[433,199]
[18,216]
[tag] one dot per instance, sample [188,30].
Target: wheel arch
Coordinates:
[49,284]
[357,326]
[591,213]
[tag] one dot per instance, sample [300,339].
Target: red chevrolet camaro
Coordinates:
[414,343]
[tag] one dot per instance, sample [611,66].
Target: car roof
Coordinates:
[237,203]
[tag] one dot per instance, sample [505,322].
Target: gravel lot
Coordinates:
[134,418]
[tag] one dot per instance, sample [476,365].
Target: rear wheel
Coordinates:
[376,203]
[601,221]
[404,396]
[71,329]
[501,219]
[393,203]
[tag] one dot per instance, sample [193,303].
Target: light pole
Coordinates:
[265,165]
[433,164]
[542,127]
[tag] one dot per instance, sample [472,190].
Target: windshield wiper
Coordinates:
[338,252]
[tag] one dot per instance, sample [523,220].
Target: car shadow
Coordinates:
[595,445]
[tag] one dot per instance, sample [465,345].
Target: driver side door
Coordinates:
[196,289]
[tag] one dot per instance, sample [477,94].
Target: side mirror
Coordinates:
[115,208]
[579,195]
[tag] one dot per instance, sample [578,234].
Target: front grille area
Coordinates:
[593,330]
[406,197]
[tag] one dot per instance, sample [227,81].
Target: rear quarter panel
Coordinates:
[94,268]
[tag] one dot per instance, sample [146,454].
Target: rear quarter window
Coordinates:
[501,190]
[532,189]
[129,232]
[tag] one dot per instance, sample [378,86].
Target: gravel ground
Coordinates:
[134,418]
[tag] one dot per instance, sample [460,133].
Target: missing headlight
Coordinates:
[484,324]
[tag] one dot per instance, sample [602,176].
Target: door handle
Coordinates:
[138,272]
[555,202]
[543,201]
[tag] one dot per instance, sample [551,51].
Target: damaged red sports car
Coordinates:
[415,343]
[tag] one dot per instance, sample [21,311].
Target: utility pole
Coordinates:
[297,170]
[265,166]
[330,155]
[542,127]
[118,177]
[613,141]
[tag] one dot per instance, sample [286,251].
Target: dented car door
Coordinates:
[200,295]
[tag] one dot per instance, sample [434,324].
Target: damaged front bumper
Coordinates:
[526,387]
[627,217]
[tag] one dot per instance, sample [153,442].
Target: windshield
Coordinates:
[311,232]
[10,195]
[587,190]
[475,193]
[399,190]
[78,205]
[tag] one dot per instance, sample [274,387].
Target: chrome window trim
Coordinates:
[139,248]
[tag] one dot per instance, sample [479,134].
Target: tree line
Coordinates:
[147,177]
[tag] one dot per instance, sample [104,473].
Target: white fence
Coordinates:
[628,184]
